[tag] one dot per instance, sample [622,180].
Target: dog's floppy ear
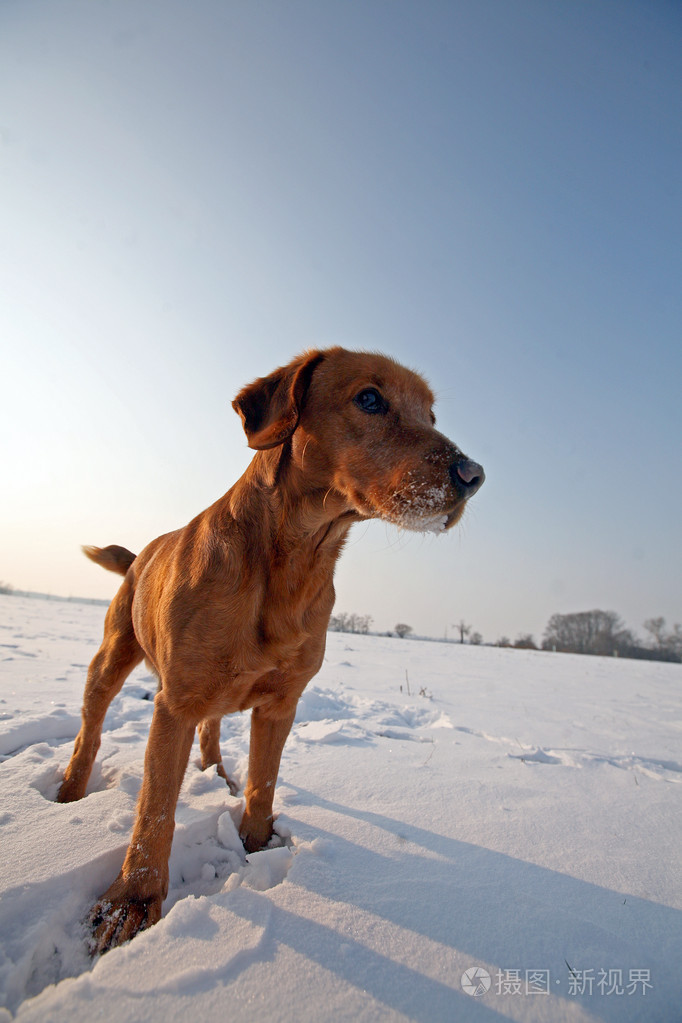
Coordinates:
[270,407]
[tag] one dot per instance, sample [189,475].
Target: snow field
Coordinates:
[521,816]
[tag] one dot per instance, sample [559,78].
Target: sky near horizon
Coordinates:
[489,192]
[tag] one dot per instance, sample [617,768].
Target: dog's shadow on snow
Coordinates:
[493,911]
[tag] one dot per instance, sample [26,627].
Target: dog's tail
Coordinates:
[113,558]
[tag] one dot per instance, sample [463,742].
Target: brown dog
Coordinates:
[231,612]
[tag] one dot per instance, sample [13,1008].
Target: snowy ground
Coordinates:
[521,816]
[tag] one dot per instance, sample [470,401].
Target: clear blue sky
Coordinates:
[488,190]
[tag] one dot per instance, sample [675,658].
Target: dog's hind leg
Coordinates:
[209,742]
[117,656]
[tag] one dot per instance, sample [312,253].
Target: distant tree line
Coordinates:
[523,642]
[585,632]
[343,622]
[605,634]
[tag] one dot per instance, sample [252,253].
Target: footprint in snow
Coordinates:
[207,856]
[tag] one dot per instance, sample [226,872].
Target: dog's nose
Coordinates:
[467,476]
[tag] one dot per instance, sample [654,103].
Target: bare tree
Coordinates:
[338,622]
[343,622]
[475,638]
[667,644]
[675,640]
[588,632]
[656,626]
[402,630]
[525,642]
[362,623]
[462,628]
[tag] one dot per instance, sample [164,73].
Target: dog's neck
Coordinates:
[294,534]
[301,518]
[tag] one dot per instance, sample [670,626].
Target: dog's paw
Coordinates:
[70,790]
[115,920]
[255,834]
[252,844]
[232,786]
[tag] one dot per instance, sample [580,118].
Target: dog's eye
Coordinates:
[370,400]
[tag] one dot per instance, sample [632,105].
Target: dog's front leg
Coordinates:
[133,902]
[268,735]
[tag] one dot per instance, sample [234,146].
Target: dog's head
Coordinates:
[360,428]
